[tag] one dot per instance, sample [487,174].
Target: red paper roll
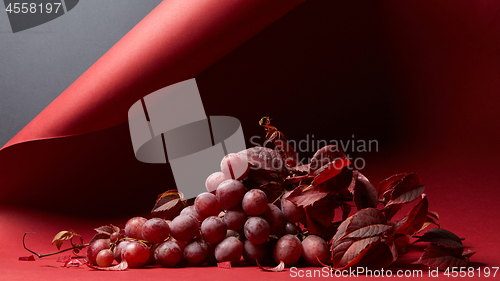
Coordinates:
[175,42]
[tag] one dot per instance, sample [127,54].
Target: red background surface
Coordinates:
[420,77]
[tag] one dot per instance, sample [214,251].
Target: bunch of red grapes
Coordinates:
[225,223]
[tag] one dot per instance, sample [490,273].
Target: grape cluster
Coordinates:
[224,224]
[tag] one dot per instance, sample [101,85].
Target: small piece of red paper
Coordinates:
[225,265]
[28,258]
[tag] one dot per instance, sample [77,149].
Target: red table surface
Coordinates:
[420,77]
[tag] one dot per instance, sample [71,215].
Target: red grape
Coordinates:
[276,220]
[290,211]
[133,228]
[213,230]
[105,258]
[290,228]
[117,250]
[288,249]
[195,252]
[191,210]
[253,253]
[214,180]
[206,204]
[115,236]
[168,254]
[184,228]
[314,247]
[95,247]
[235,218]
[257,230]
[136,253]
[230,193]
[234,166]
[254,202]
[155,230]
[230,249]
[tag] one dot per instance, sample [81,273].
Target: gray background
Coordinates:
[38,64]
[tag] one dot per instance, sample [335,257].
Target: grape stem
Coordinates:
[74,247]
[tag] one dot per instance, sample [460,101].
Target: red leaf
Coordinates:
[306,198]
[442,237]
[296,179]
[401,188]
[99,236]
[278,268]
[365,194]
[108,229]
[323,211]
[324,156]
[119,267]
[389,183]
[376,255]
[288,153]
[341,230]
[346,210]
[408,196]
[169,204]
[369,231]
[363,218]
[442,258]
[469,253]
[391,210]
[300,169]
[415,218]
[28,258]
[349,251]
[330,170]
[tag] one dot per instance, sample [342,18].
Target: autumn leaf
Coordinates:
[300,169]
[415,218]
[409,196]
[306,198]
[324,156]
[358,232]
[442,237]
[107,229]
[401,188]
[330,170]
[364,218]
[169,204]
[278,268]
[441,257]
[376,255]
[119,267]
[98,236]
[323,211]
[63,236]
[319,217]
[364,193]
[349,249]
[369,231]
